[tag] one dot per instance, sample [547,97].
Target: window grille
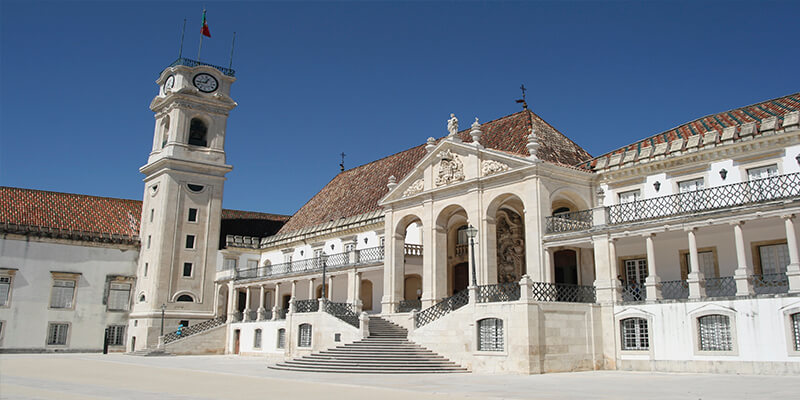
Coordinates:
[63,293]
[715,333]
[304,336]
[57,334]
[490,334]
[796,330]
[635,335]
[774,258]
[116,335]
[5,289]
[281,338]
[118,296]
[257,339]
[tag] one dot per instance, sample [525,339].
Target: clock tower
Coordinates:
[182,203]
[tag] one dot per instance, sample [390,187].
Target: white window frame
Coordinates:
[50,326]
[189,215]
[792,330]
[635,354]
[191,270]
[258,337]
[111,289]
[64,278]
[304,339]
[696,341]
[629,196]
[780,269]
[280,340]
[228,264]
[639,334]
[7,279]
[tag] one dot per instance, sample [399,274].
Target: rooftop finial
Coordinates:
[522,100]
[533,144]
[452,125]
[475,132]
[341,166]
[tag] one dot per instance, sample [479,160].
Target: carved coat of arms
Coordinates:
[450,169]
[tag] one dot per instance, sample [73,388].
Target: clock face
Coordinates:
[205,82]
[170,83]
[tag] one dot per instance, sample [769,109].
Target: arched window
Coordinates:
[142,298]
[490,334]
[281,338]
[715,333]
[165,133]
[635,335]
[304,335]
[257,339]
[796,330]
[198,132]
[185,298]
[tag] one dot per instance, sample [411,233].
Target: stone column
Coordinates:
[277,303]
[261,296]
[311,294]
[246,312]
[294,290]
[652,283]
[231,303]
[330,288]
[696,280]
[793,269]
[606,283]
[358,304]
[742,275]
[548,265]
[351,286]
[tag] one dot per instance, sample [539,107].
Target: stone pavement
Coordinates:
[116,376]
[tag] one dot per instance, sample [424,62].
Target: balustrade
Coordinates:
[567,222]
[331,262]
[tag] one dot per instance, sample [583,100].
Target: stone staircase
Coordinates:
[387,350]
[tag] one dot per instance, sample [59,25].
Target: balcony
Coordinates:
[192,63]
[780,187]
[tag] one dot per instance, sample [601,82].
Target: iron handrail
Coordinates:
[331,261]
[193,63]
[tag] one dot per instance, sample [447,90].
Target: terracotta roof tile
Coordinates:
[358,190]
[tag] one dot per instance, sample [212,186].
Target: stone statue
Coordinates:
[452,125]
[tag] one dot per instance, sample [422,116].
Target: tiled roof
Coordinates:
[82,217]
[358,190]
[678,138]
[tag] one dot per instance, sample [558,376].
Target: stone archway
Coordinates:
[366,295]
[510,246]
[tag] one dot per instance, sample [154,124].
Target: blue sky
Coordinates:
[368,79]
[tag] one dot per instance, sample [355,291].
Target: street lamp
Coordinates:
[324,282]
[471,233]
[163,308]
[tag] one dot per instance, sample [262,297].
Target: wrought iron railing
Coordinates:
[562,292]
[498,292]
[675,289]
[633,292]
[267,315]
[192,63]
[280,313]
[720,287]
[737,194]
[331,262]
[441,308]
[413,249]
[306,306]
[252,316]
[571,221]
[770,283]
[344,311]
[195,329]
[236,316]
[408,305]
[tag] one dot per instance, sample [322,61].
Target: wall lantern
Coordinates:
[366,240]
[332,246]
[657,185]
[723,173]
[798,159]
[301,252]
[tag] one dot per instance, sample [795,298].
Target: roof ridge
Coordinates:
[609,153]
[68,193]
[561,133]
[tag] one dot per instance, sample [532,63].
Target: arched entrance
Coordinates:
[413,288]
[566,266]
[366,295]
[460,277]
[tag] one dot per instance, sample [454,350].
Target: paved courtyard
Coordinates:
[95,376]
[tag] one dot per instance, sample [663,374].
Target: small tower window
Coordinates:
[198,132]
[187,269]
[165,134]
[189,241]
[185,298]
[192,215]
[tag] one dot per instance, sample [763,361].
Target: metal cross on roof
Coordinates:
[522,100]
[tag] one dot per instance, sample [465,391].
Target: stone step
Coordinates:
[362,363]
[372,358]
[371,370]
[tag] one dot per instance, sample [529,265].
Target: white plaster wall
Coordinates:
[269,338]
[27,315]
[789,163]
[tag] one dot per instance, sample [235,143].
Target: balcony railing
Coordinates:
[331,261]
[413,249]
[498,293]
[720,287]
[562,292]
[770,283]
[408,305]
[192,63]
[567,222]
[724,286]
[306,306]
[737,194]
[675,289]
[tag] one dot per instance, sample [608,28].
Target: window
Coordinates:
[5,290]
[118,296]
[146,267]
[192,215]
[197,132]
[187,269]
[229,264]
[796,330]
[189,241]
[152,212]
[116,335]
[287,258]
[185,298]
[629,196]
[281,338]
[715,333]
[762,188]
[57,334]
[773,258]
[63,294]
[184,323]
[690,185]
[707,260]
[149,239]
[257,339]
[636,270]
[142,298]
[462,235]
[635,335]
[762,172]
[165,134]
[490,334]
[304,335]
[195,188]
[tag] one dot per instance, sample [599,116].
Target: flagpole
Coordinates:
[183,32]
[230,65]
[201,36]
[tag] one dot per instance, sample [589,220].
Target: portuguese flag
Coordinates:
[204,30]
